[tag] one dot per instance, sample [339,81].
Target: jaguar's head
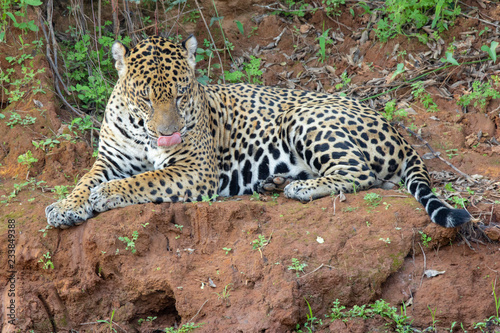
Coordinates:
[157,80]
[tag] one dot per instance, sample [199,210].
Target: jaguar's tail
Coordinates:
[418,183]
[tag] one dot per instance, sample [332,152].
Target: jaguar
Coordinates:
[167,138]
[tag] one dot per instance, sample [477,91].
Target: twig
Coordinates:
[484,21]
[212,39]
[191,320]
[469,178]
[322,265]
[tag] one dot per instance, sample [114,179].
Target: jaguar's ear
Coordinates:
[120,52]
[190,44]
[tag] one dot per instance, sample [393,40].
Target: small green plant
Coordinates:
[295,8]
[206,198]
[451,153]
[27,159]
[433,316]
[16,119]
[391,113]
[149,319]
[349,209]
[458,201]
[448,187]
[61,191]
[260,242]
[400,321]
[418,91]
[310,322]
[227,249]
[225,293]
[345,80]
[253,73]
[373,199]
[255,196]
[185,328]
[385,240]
[480,94]
[275,196]
[44,144]
[297,266]
[409,17]
[45,230]
[425,238]
[82,125]
[130,242]
[109,322]
[179,226]
[331,7]
[46,261]
[323,40]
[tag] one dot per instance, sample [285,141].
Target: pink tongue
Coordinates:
[165,141]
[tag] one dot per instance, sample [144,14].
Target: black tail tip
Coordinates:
[456,217]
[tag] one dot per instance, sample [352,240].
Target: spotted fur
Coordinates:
[235,138]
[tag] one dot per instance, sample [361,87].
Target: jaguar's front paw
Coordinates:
[107,196]
[66,213]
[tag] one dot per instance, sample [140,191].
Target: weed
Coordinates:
[27,159]
[260,242]
[379,308]
[491,50]
[47,263]
[275,197]
[297,266]
[331,7]
[385,240]
[206,198]
[130,242]
[227,249]
[425,238]
[345,80]
[255,196]
[251,69]
[311,321]
[109,322]
[448,187]
[16,119]
[185,328]
[402,15]
[349,209]
[43,144]
[418,91]
[179,226]
[224,295]
[458,201]
[451,153]
[149,319]
[323,39]
[373,199]
[433,316]
[45,230]
[61,191]
[481,93]
[391,113]
[82,125]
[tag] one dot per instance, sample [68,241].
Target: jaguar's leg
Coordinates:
[76,208]
[172,184]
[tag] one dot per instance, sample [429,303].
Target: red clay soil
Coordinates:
[196,262]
